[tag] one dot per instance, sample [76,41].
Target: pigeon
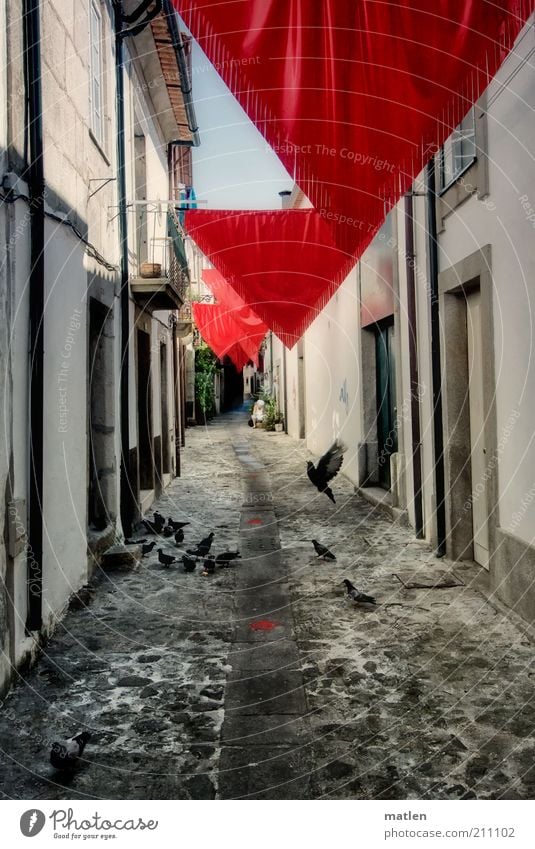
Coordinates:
[165,559]
[167,531]
[159,519]
[224,560]
[203,547]
[176,525]
[328,467]
[356,596]
[323,551]
[65,755]
[146,549]
[152,527]
[179,537]
[209,566]
[189,563]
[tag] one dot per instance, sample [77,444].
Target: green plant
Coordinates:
[205,368]
[272,415]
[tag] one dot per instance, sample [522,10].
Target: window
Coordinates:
[459,151]
[96,118]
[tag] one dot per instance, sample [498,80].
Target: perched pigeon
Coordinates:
[356,595]
[225,559]
[176,525]
[328,467]
[209,566]
[167,531]
[159,519]
[323,551]
[179,537]
[65,755]
[146,549]
[189,563]
[203,547]
[165,559]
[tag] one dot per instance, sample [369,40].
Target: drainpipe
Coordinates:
[128,493]
[285,387]
[435,360]
[413,368]
[36,185]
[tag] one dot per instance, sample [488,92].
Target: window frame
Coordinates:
[96,117]
[444,186]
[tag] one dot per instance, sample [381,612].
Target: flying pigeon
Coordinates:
[146,549]
[356,596]
[203,547]
[179,537]
[328,467]
[209,566]
[176,525]
[224,560]
[189,563]
[65,755]
[165,559]
[323,551]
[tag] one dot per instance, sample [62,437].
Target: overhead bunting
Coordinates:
[354,98]
[250,325]
[284,264]
[222,334]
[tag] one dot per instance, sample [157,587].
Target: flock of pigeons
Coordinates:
[161,527]
[64,756]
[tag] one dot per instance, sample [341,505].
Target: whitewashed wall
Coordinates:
[332,376]
[506,221]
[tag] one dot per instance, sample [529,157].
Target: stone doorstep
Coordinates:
[123,558]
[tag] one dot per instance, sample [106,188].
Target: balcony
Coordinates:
[159,274]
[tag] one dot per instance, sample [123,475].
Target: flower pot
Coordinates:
[150,269]
[279,427]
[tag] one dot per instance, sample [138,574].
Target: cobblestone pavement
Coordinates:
[262,681]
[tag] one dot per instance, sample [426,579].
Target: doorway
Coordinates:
[164,396]
[385,373]
[477,429]
[468,391]
[144,411]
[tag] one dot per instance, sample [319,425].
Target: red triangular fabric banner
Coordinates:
[222,334]
[251,326]
[284,264]
[354,97]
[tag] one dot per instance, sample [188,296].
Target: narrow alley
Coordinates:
[261,680]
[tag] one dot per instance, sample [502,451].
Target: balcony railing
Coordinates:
[159,270]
